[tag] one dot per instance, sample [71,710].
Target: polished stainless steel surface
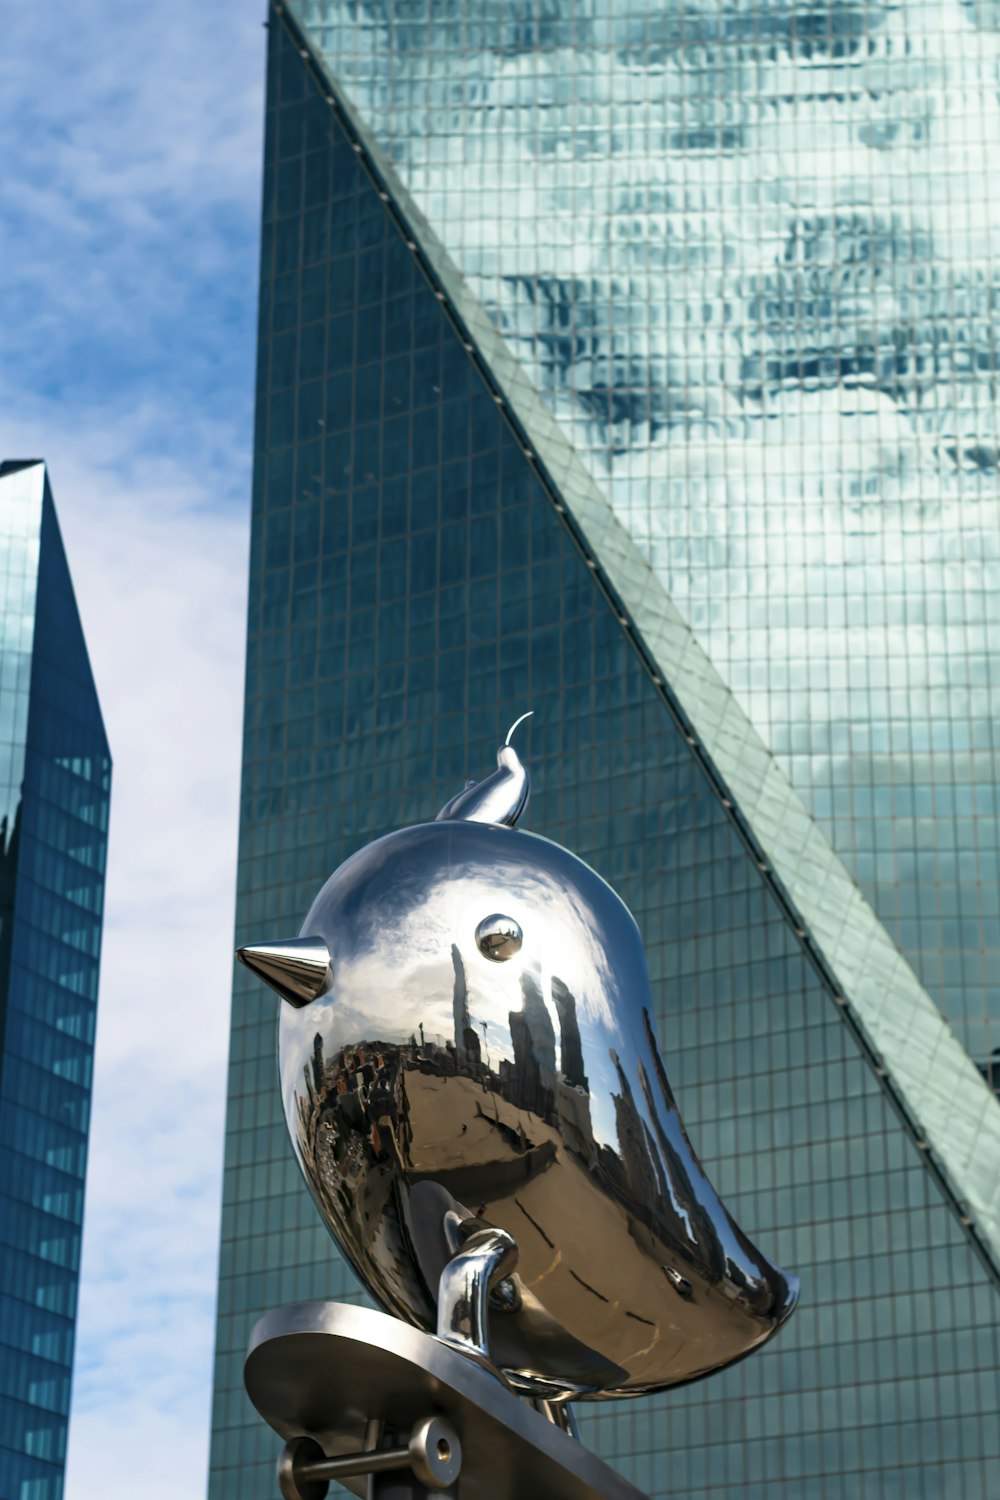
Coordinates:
[499,798]
[295,1456]
[559,1412]
[464,1286]
[499,937]
[326,1371]
[298,969]
[433,1453]
[432,1093]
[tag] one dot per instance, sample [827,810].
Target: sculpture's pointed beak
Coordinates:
[300,969]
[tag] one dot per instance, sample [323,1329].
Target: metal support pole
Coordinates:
[429,1464]
[559,1413]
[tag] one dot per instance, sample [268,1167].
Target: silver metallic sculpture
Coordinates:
[474,1091]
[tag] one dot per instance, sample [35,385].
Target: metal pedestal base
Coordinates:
[328,1371]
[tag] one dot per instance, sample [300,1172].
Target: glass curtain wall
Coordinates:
[413,588]
[746,250]
[55,773]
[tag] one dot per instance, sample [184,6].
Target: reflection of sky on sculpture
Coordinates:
[744,251]
[391,935]
[402,945]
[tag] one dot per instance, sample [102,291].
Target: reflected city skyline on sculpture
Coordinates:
[433,1089]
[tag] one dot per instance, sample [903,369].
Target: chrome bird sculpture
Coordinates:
[467,1044]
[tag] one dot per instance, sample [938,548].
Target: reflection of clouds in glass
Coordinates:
[745,254]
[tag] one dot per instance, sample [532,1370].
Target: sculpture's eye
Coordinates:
[499,937]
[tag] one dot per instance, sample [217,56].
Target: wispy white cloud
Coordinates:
[131,141]
[159,566]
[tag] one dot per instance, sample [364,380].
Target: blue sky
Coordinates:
[131,140]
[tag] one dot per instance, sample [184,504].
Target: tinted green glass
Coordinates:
[742,251]
[55,785]
[413,588]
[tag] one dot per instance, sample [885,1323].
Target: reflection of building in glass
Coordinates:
[745,388]
[55,775]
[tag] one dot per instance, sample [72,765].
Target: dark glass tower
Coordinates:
[435,548]
[55,781]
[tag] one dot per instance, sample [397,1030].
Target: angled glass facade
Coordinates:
[418,577]
[55,773]
[745,251]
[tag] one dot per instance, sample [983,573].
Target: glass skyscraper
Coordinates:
[55,781]
[635,363]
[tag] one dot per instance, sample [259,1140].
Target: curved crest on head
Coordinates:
[500,797]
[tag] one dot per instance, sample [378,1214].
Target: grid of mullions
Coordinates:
[411,591]
[53,858]
[746,250]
